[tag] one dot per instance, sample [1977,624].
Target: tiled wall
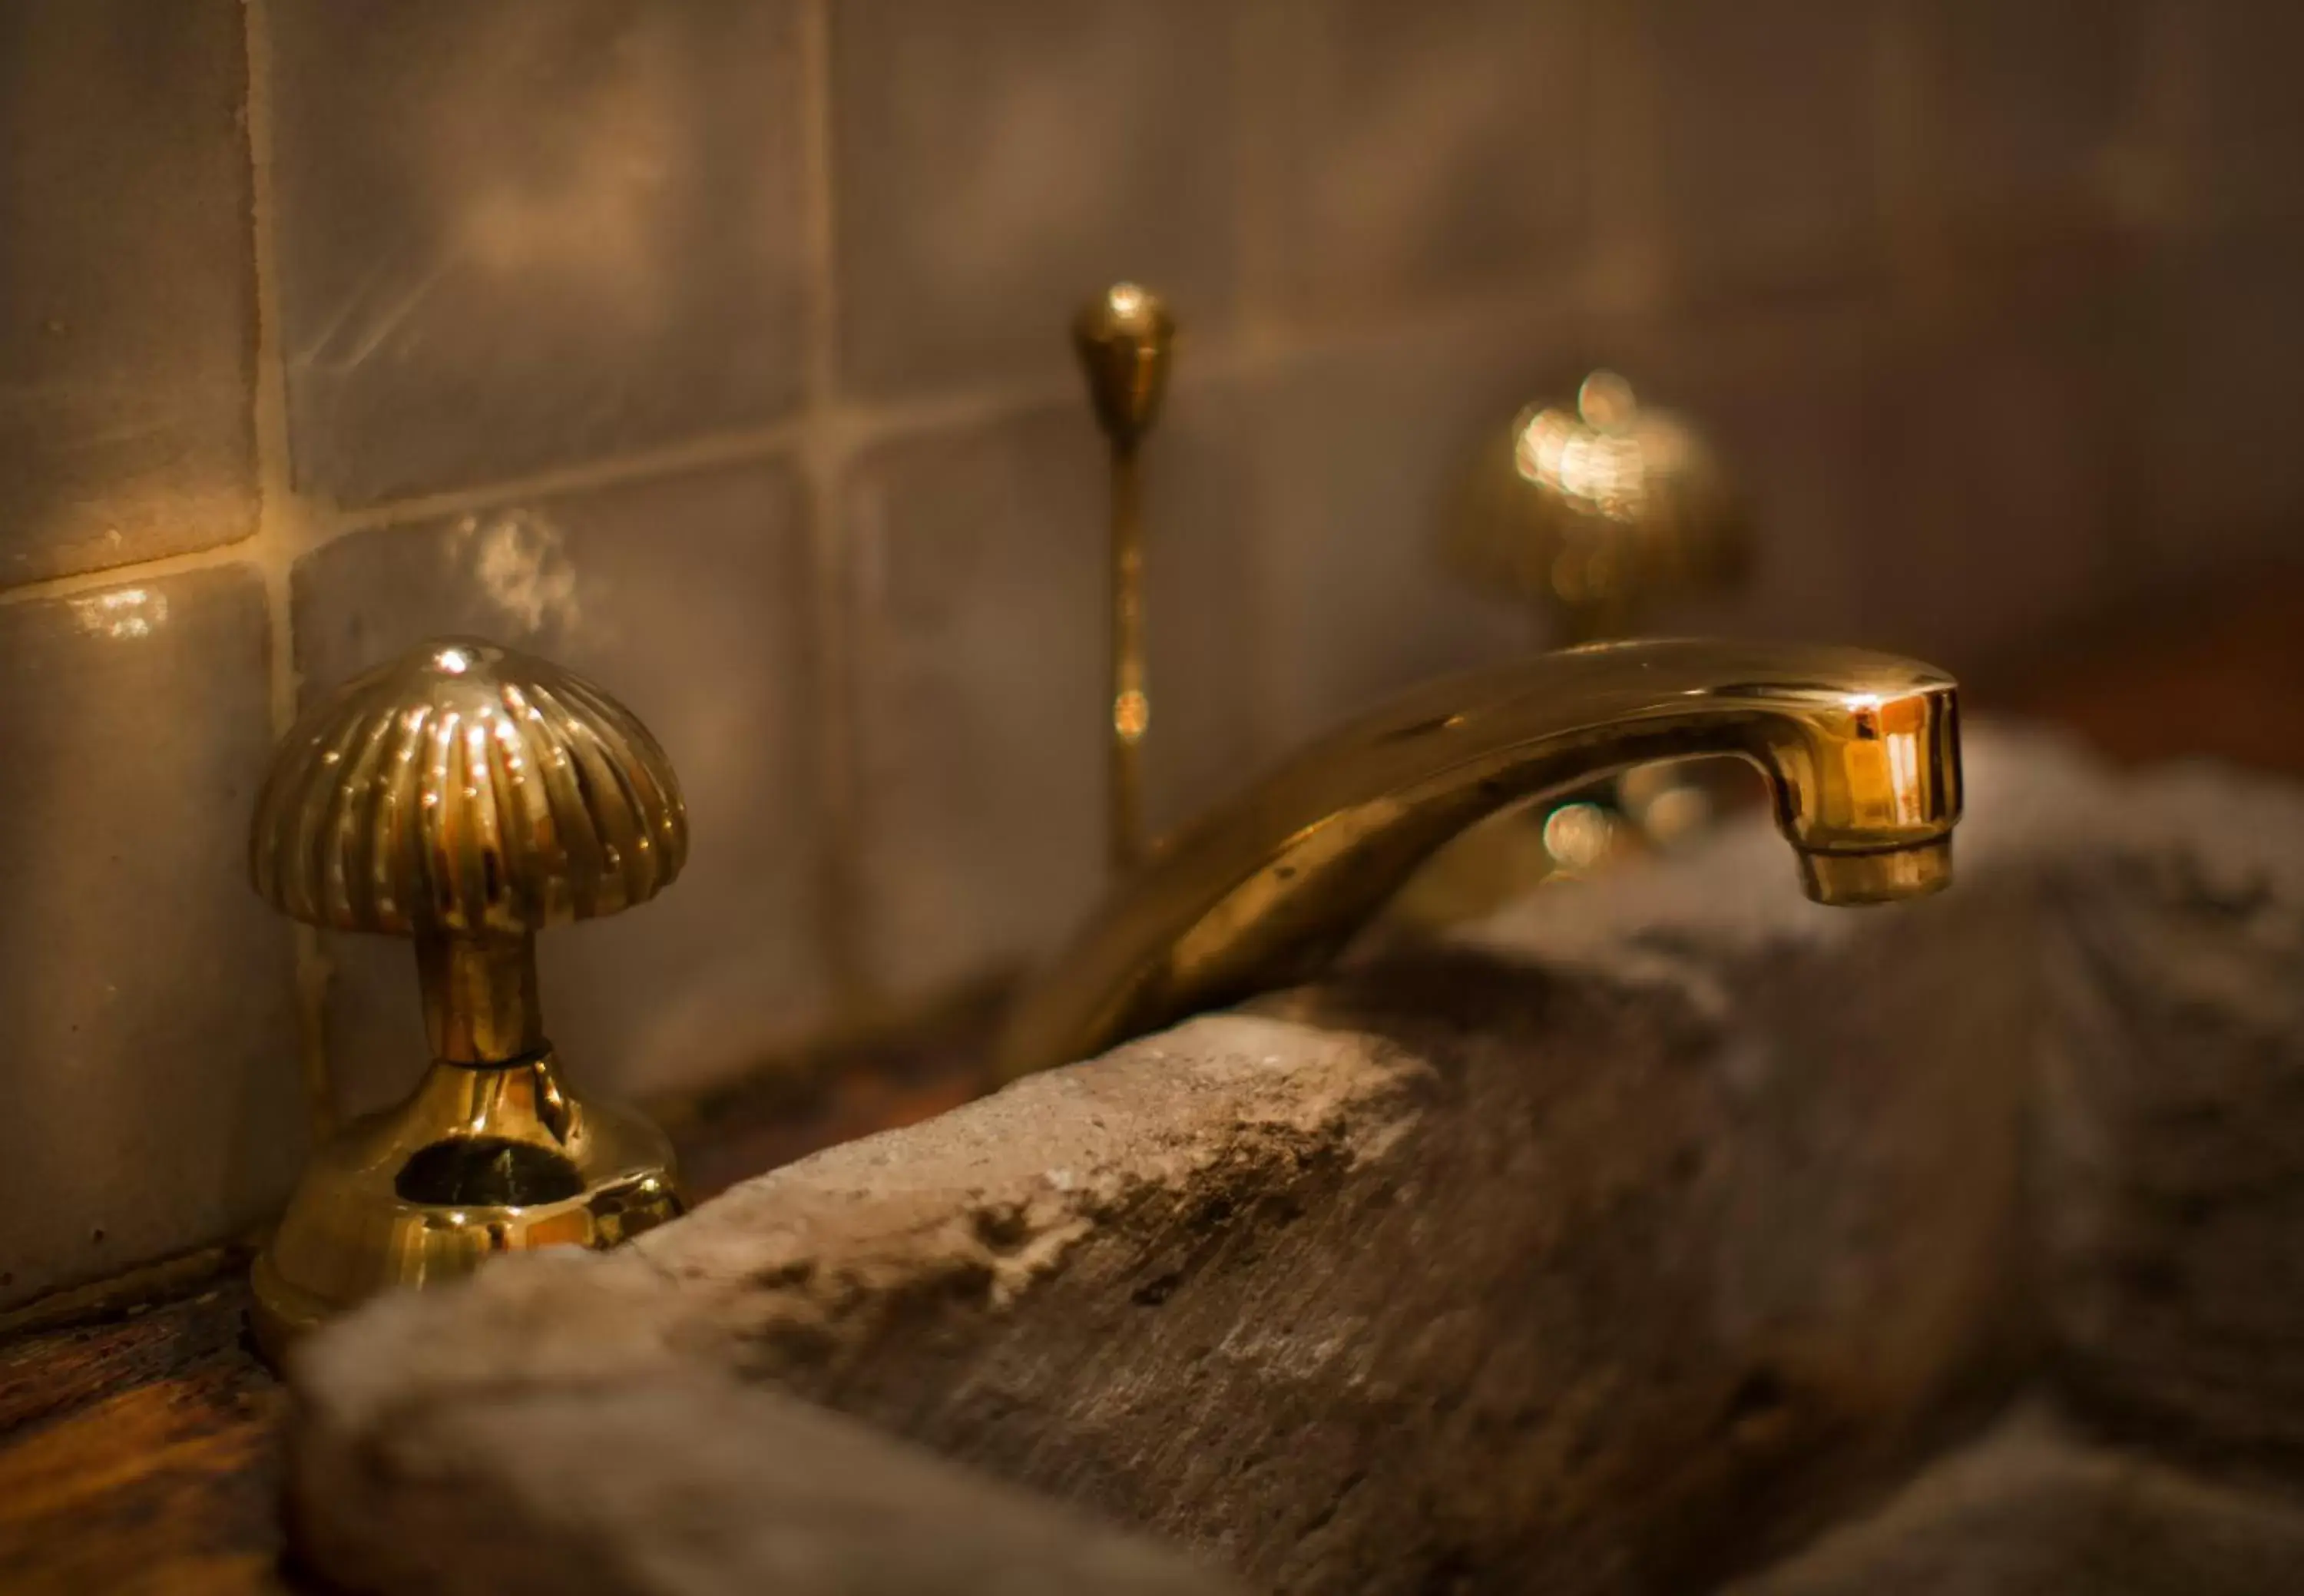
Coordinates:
[717,349]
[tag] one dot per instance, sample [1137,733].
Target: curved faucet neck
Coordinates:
[1861,752]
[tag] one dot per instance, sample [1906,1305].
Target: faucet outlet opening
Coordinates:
[1887,876]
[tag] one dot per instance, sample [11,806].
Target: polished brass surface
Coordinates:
[481,1159]
[1595,510]
[1125,339]
[466,797]
[1860,750]
[1593,513]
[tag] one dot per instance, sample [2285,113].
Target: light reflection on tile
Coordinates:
[520,237]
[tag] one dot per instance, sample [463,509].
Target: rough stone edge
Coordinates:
[887,1199]
[741,1492]
[2036,1506]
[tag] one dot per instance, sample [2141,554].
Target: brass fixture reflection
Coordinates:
[1860,752]
[1123,337]
[1593,512]
[465,796]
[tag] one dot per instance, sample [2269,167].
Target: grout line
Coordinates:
[726,448]
[291,526]
[240,551]
[861,426]
[1528,305]
[279,529]
[852,426]
[823,442]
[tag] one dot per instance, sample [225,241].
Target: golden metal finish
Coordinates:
[1861,752]
[468,797]
[471,789]
[1592,511]
[1125,337]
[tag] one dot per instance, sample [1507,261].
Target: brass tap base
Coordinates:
[482,1160]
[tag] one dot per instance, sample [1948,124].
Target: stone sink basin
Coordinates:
[1663,1235]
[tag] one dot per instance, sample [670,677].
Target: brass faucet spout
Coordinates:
[1861,752]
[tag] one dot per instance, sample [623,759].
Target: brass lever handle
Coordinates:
[1125,338]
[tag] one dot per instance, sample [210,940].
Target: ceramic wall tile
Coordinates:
[997,161]
[513,238]
[127,285]
[147,995]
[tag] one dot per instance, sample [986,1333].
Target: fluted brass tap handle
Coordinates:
[1125,337]
[466,797]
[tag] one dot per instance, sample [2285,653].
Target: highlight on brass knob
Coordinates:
[1595,510]
[1126,339]
[466,797]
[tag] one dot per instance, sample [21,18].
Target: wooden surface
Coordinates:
[139,1443]
[140,1451]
